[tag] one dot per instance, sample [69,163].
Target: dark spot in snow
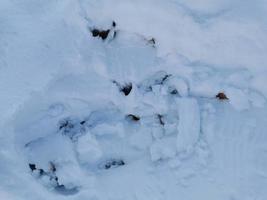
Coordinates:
[65,124]
[82,122]
[72,127]
[114,163]
[32,166]
[174,91]
[62,189]
[104,34]
[158,78]
[116,83]
[221,96]
[51,174]
[41,172]
[52,167]
[95,32]
[161,80]
[133,117]
[126,89]
[107,166]
[100,33]
[149,88]
[160,117]
[115,34]
[152,41]
[164,78]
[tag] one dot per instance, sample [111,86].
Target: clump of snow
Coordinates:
[88,150]
[163,149]
[238,99]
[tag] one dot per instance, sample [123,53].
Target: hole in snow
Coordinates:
[174,92]
[125,89]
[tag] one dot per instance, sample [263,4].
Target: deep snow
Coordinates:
[133,116]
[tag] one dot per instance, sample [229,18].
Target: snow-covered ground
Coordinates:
[133,114]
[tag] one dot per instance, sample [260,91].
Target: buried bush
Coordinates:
[103,34]
[125,89]
[113,163]
[132,117]
[221,96]
[160,118]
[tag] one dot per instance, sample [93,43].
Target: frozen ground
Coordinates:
[133,116]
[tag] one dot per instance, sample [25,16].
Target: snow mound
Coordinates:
[120,100]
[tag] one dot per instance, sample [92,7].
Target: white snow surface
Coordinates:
[189,124]
[63,109]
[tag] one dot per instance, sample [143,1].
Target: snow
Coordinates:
[163,149]
[64,110]
[88,150]
[189,124]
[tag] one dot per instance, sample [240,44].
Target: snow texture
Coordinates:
[112,100]
[189,124]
